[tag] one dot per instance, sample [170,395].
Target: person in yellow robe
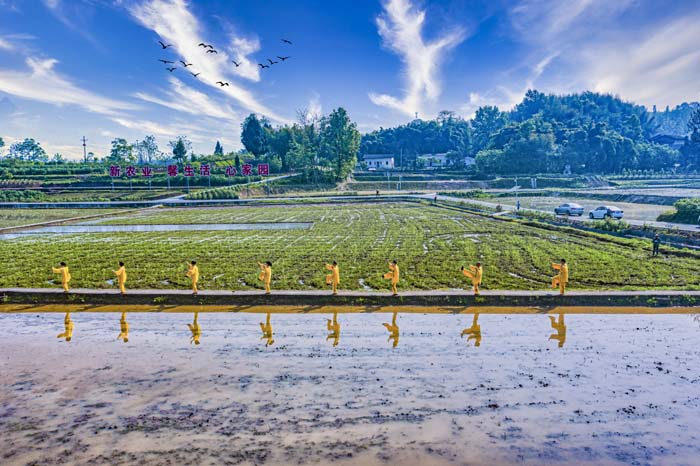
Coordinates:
[560,327]
[265,275]
[267,333]
[195,329]
[393,275]
[473,332]
[68,327]
[475,273]
[393,330]
[123,328]
[121,277]
[334,329]
[561,279]
[333,278]
[193,273]
[65,275]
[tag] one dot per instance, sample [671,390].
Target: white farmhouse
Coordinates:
[379,161]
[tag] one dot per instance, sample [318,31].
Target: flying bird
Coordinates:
[235,63]
[164,46]
[263,66]
[206,46]
[272,62]
[283,58]
[171,69]
[222,84]
[185,64]
[166,62]
[196,74]
[212,51]
[286,41]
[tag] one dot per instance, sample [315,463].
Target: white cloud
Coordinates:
[174,23]
[5,44]
[315,108]
[401,28]
[188,100]
[241,48]
[42,83]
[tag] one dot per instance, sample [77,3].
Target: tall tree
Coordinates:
[29,150]
[218,149]
[180,147]
[253,136]
[2,144]
[121,151]
[340,142]
[691,149]
[147,149]
[487,121]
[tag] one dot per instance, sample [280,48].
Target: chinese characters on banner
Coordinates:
[115,171]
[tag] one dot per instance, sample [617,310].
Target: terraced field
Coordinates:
[19,217]
[430,244]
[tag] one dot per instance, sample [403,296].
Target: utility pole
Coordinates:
[84,150]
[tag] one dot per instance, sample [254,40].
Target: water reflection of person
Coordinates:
[267,333]
[474,331]
[560,327]
[123,328]
[334,329]
[393,330]
[68,328]
[195,329]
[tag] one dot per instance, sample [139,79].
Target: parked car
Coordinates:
[606,211]
[569,208]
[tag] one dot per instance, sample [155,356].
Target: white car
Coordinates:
[606,211]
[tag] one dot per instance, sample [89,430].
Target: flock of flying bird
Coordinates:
[210,49]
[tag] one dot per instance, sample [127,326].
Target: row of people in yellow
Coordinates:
[475,273]
[473,333]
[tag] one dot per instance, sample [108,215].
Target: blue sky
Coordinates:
[89,67]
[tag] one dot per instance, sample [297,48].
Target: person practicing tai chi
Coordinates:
[393,330]
[334,328]
[393,275]
[474,273]
[121,277]
[656,242]
[333,278]
[473,332]
[62,269]
[560,327]
[195,329]
[265,274]
[193,273]
[561,279]
[68,327]
[267,333]
[123,328]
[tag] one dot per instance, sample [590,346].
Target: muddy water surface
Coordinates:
[363,389]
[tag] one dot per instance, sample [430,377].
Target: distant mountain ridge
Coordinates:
[674,122]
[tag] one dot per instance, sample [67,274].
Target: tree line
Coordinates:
[581,133]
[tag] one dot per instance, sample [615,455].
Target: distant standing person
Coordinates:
[517,205]
[475,274]
[121,277]
[656,242]
[562,278]
[266,274]
[334,278]
[65,275]
[193,273]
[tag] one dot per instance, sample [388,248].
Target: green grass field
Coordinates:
[19,217]
[430,244]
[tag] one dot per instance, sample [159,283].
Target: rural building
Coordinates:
[379,161]
[675,142]
[434,160]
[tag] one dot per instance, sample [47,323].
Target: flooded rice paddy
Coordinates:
[349,388]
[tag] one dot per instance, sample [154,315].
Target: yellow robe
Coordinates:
[562,278]
[65,276]
[121,278]
[266,276]
[394,276]
[475,274]
[334,277]
[193,273]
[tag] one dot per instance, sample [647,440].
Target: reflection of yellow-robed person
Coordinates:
[123,329]
[333,278]
[195,329]
[393,275]
[334,329]
[475,273]
[560,327]
[562,278]
[121,277]
[265,274]
[267,331]
[65,275]
[68,328]
[473,332]
[393,330]
[193,273]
